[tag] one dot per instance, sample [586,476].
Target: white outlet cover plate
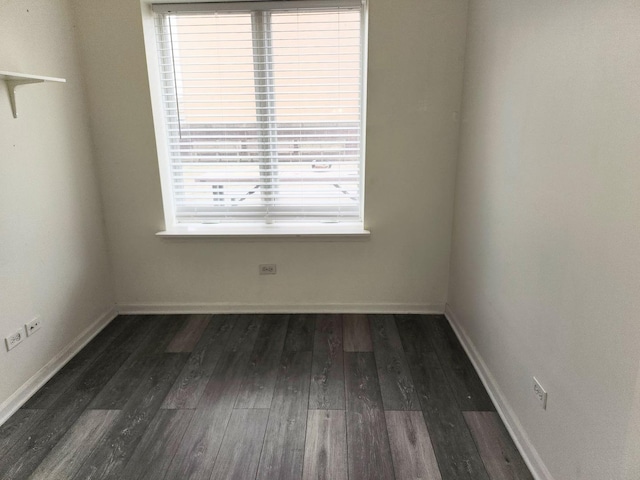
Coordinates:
[33,326]
[540,393]
[11,342]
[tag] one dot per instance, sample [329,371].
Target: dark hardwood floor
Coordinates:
[188,397]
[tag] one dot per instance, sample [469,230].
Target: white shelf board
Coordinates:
[17,77]
[14,80]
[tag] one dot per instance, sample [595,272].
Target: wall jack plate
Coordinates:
[33,326]
[540,393]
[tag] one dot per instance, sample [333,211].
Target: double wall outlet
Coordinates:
[267,269]
[540,393]
[14,339]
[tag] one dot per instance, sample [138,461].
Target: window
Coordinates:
[262,112]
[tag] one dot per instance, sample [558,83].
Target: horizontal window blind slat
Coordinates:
[232,23]
[341,156]
[337,96]
[323,157]
[286,141]
[242,132]
[214,115]
[326,35]
[261,180]
[250,148]
[344,60]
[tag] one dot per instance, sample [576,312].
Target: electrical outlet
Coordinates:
[33,326]
[14,339]
[540,393]
[268,269]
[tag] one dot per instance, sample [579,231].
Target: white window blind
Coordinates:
[263,110]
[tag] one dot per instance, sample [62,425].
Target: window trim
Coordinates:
[293,230]
[256,230]
[242,5]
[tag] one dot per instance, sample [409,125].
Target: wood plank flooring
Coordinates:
[248,397]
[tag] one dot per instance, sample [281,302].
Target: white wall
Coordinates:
[53,260]
[546,245]
[415,81]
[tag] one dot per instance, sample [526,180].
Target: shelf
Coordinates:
[14,80]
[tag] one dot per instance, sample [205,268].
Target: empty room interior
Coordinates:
[320,239]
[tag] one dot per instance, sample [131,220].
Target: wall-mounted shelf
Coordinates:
[14,80]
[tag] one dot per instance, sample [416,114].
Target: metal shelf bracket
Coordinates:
[15,80]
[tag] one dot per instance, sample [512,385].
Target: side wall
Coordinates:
[545,257]
[415,82]
[53,258]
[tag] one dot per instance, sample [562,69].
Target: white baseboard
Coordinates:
[168,308]
[31,386]
[518,434]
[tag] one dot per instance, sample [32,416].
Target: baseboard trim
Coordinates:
[529,453]
[169,308]
[42,376]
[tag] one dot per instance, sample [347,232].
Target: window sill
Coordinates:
[267,231]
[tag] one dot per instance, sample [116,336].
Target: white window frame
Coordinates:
[171,228]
